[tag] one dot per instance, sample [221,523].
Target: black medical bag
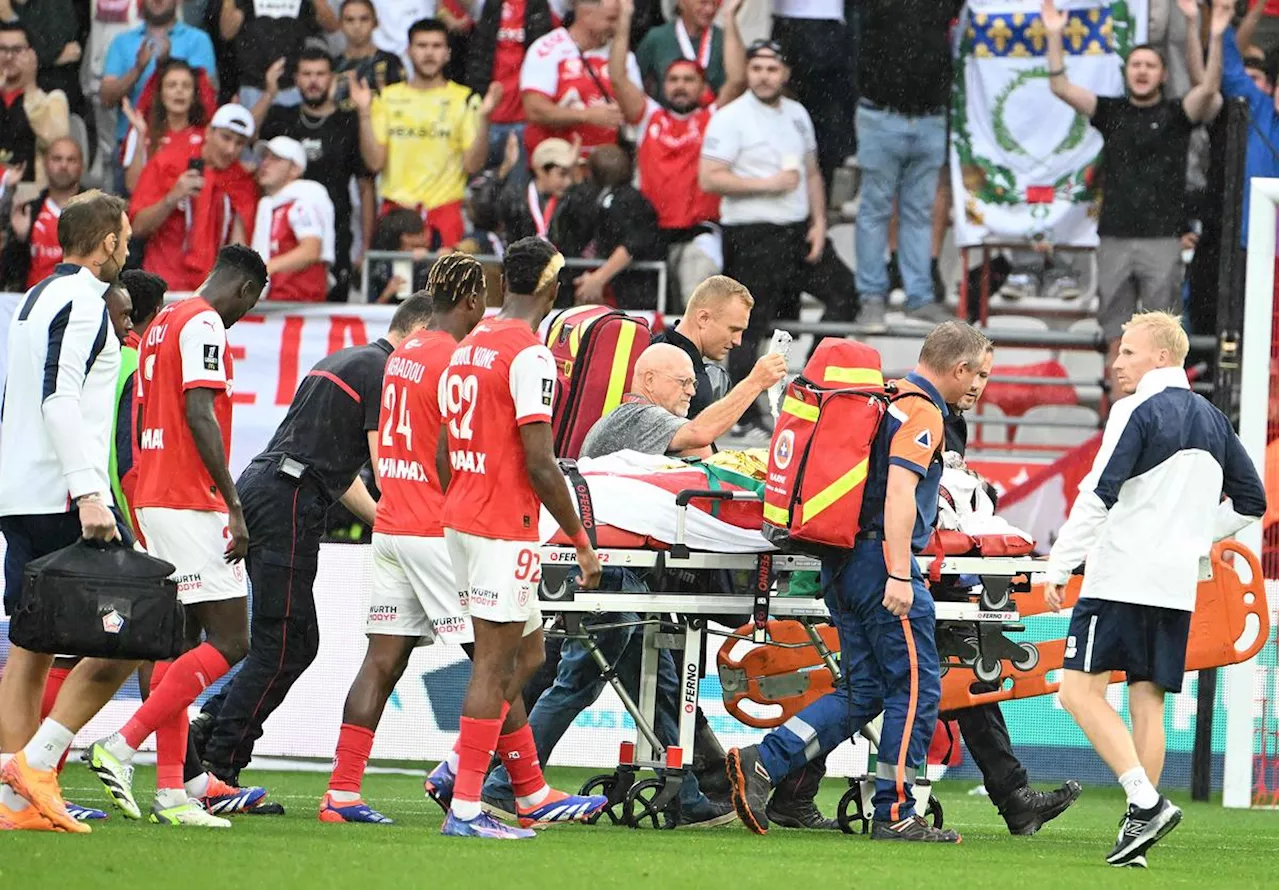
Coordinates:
[99,600]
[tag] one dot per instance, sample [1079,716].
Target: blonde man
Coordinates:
[715,317]
[1170,478]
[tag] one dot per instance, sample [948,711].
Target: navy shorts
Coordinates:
[28,538]
[1148,643]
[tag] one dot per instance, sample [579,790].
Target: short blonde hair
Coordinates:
[952,343]
[713,292]
[1165,331]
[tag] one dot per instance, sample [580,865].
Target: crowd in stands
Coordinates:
[703,133]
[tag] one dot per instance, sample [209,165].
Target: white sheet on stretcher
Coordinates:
[623,500]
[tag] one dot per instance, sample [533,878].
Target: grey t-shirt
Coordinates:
[635,426]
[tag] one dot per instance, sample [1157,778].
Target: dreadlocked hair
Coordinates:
[453,278]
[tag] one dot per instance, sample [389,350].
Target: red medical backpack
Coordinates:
[595,349]
[821,449]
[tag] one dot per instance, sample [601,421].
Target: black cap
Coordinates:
[767,47]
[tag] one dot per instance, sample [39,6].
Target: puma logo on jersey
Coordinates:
[152,439]
[467,462]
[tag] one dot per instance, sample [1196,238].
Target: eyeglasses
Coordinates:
[690,383]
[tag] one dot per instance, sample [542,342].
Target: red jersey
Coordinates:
[184,348]
[289,224]
[412,501]
[499,378]
[571,78]
[508,56]
[46,252]
[668,150]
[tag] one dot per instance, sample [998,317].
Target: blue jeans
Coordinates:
[578,684]
[900,157]
[890,664]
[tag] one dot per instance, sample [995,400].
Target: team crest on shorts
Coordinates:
[522,595]
[784,449]
[1071,648]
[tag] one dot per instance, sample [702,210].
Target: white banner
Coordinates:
[273,348]
[1023,163]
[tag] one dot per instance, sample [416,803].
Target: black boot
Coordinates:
[792,804]
[200,731]
[1026,809]
[708,760]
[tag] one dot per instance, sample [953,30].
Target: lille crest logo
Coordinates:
[113,622]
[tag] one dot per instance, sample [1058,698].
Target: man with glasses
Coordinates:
[27,113]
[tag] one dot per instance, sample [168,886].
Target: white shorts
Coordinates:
[498,579]
[195,541]
[414,594]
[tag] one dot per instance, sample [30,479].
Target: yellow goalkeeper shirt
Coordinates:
[426,133]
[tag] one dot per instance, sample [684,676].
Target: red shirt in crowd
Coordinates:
[183,249]
[668,150]
[499,378]
[571,78]
[46,252]
[412,501]
[185,347]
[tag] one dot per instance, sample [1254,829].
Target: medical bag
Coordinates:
[595,349]
[821,449]
[99,600]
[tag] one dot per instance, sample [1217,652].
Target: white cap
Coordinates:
[283,147]
[235,118]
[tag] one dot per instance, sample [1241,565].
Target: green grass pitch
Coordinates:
[1213,848]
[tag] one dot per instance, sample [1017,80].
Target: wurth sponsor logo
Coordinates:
[189,582]
[447,626]
[382,614]
[481,597]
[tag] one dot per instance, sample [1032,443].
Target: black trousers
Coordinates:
[770,261]
[285,522]
[985,734]
[822,79]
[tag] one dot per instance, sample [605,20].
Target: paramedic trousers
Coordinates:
[286,521]
[889,664]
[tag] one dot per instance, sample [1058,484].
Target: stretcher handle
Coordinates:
[694,494]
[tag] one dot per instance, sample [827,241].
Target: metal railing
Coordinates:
[657,267]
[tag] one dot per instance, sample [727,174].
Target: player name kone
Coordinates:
[477,356]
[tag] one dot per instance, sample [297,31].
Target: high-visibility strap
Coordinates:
[618,373]
[779,516]
[793,406]
[836,490]
[854,376]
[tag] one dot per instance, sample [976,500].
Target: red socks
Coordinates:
[171,737]
[186,677]
[520,756]
[476,742]
[57,676]
[350,758]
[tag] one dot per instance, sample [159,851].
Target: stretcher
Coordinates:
[977,630]
[791,657]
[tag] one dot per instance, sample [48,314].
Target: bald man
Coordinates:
[654,417]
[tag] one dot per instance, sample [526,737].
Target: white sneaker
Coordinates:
[189,813]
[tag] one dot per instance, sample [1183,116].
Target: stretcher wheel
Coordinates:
[934,811]
[1029,659]
[991,602]
[603,784]
[987,670]
[850,812]
[638,810]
